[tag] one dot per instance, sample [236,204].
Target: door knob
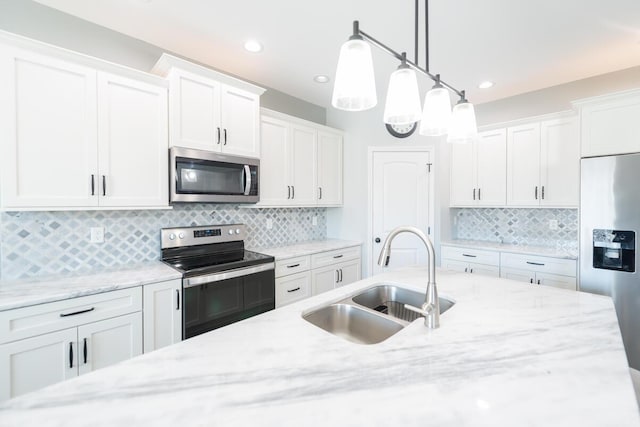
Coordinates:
[377,240]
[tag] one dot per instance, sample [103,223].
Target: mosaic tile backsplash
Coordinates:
[41,243]
[518,226]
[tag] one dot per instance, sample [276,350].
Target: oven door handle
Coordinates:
[224,275]
[247,180]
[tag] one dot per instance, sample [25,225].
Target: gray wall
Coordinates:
[39,22]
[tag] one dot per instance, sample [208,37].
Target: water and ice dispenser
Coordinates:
[614,250]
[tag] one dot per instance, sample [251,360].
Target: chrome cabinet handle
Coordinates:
[93,185]
[536,192]
[225,136]
[104,185]
[70,355]
[218,135]
[177,299]
[84,351]
[293,290]
[77,312]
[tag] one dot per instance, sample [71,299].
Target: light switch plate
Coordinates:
[97,234]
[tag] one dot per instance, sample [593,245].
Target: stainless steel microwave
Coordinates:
[199,176]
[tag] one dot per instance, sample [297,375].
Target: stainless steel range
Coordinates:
[222,282]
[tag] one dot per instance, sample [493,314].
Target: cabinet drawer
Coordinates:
[566,267]
[293,288]
[471,255]
[292,265]
[331,257]
[40,319]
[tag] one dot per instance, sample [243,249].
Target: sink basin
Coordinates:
[390,299]
[353,324]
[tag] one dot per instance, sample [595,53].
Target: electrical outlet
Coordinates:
[269,223]
[553,224]
[97,234]
[314,220]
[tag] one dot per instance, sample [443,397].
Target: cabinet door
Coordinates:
[453,265]
[349,272]
[133,142]
[323,279]
[275,185]
[491,168]
[463,178]
[48,131]
[303,165]
[556,280]
[34,363]
[194,111]
[293,288]
[560,162]
[108,342]
[162,314]
[329,169]
[518,275]
[523,165]
[240,122]
[484,270]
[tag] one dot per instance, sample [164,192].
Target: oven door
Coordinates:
[220,299]
[204,176]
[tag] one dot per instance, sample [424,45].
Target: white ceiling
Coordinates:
[520,45]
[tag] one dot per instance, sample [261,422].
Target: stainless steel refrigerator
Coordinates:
[609,223]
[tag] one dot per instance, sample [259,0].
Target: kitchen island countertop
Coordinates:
[506,354]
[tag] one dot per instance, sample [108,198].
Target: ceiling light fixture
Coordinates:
[486,84]
[253,46]
[321,78]
[354,88]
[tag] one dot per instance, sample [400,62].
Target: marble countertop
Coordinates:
[506,354]
[305,248]
[27,292]
[518,249]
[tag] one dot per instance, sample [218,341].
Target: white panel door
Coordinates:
[194,103]
[560,162]
[34,363]
[523,165]
[240,122]
[275,183]
[491,168]
[133,142]
[323,279]
[108,342]
[162,314]
[518,275]
[329,168]
[463,176]
[556,280]
[400,191]
[349,272]
[48,131]
[303,165]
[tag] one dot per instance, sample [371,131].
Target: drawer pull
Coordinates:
[70,355]
[293,290]
[77,312]
[84,351]
[470,256]
[535,263]
[338,256]
[293,265]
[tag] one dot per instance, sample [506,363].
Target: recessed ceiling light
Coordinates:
[321,78]
[485,85]
[253,46]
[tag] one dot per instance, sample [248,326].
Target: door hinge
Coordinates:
[429,167]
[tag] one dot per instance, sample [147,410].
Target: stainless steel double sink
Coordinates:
[373,315]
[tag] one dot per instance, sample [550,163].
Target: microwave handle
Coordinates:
[247,180]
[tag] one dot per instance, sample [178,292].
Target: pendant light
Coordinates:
[402,106]
[463,123]
[436,113]
[355,86]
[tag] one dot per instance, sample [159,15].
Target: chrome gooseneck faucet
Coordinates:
[431,307]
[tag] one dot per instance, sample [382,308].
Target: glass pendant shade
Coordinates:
[436,113]
[355,85]
[402,106]
[463,124]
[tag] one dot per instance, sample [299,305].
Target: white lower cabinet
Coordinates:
[471,268]
[162,314]
[335,275]
[538,278]
[469,260]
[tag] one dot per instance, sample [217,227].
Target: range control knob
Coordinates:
[230,231]
[237,231]
[181,235]
[172,236]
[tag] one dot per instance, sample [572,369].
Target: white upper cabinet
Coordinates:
[48,126]
[78,132]
[543,163]
[609,124]
[209,110]
[478,171]
[301,162]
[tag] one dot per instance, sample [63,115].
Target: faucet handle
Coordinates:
[429,312]
[425,310]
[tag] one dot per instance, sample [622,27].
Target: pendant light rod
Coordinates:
[361,34]
[415,59]
[426,34]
